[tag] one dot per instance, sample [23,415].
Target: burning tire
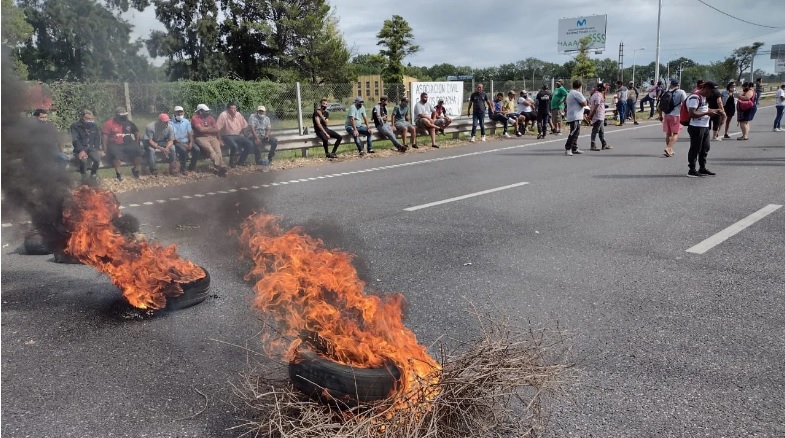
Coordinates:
[35,245]
[350,386]
[62,257]
[193,293]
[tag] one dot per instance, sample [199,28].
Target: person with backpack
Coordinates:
[632,100]
[697,107]
[669,114]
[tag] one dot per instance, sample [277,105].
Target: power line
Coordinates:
[737,18]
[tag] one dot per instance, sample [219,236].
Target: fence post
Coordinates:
[127,100]
[300,116]
[491,88]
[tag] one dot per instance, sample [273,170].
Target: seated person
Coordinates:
[379,116]
[497,114]
[443,120]
[401,121]
[159,137]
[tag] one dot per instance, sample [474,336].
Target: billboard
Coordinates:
[573,29]
[777,51]
[450,92]
[779,65]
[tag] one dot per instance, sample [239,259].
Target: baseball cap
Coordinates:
[202,107]
[711,85]
[782,84]
[441,101]
[121,111]
[178,108]
[163,117]
[358,100]
[701,82]
[261,108]
[674,81]
[558,82]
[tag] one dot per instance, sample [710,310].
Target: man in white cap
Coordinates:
[261,129]
[206,136]
[184,140]
[357,124]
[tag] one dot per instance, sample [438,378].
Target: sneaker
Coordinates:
[693,174]
[221,171]
[483,138]
[119,176]
[726,137]
[635,123]
[706,172]
[435,146]
[539,136]
[417,147]
[93,176]
[518,134]
[473,139]
[506,135]
[183,172]
[371,151]
[594,148]
[362,153]
[568,153]
[607,146]
[135,173]
[577,151]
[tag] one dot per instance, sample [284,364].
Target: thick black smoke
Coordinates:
[33,178]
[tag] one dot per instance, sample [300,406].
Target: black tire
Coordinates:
[35,244]
[193,293]
[68,259]
[348,386]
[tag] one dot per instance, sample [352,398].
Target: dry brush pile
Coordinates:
[497,385]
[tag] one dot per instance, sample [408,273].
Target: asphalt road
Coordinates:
[669,343]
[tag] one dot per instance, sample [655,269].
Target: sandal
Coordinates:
[743,138]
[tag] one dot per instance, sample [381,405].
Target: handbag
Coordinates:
[746,105]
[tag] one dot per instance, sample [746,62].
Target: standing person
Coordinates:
[443,119]
[622,93]
[159,137]
[718,119]
[184,140]
[779,104]
[651,94]
[543,100]
[729,104]
[597,117]
[479,101]
[632,100]
[424,115]
[380,120]
[261,132]
[575,102]
[758,89]
[86,138]
[557,106]
[357,124]
[321,118]
[745,106]
[206,136]
[402,123]
[700,141]
[231,125]
[670,116]
[120,142]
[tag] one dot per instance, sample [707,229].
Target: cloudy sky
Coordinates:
[462,32]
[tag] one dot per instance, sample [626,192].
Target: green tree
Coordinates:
[321,55]
[15,31]
[607,70]
[396,37]
[192,41]
[584,66]
[80,40]
[743,56]
[368,64]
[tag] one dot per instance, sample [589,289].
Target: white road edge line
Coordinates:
[734,229]
[471,195]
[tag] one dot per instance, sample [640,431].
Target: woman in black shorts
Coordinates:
[717,120]
[729,96]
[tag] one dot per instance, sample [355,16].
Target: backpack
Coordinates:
[666,102]
[684,114]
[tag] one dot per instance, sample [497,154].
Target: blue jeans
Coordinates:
[478,118]
[361,130]
[387,131]
[621,110]
[171,158]
[236,143]
[182,154]
[778,117]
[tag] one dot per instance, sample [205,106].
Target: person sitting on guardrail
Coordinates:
[402,122]
[424,116]
[184,140]
[357,124]
[443,119]
[379,117]
[321,118]
[525,107]
[120,141]
[497,114]
[206,136]
[261,130]
[86,138]
[230,126]
[159,137]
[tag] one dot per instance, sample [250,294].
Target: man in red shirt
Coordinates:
[206,136]
[120,142]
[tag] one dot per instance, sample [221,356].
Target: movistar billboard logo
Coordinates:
[581,22]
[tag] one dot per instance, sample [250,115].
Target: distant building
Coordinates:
[371,87]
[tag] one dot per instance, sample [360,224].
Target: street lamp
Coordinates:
[681,67]
[633,64]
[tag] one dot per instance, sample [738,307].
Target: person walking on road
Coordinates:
[700,140]
[632,100]
[779,103]
[671,124]
[597,117]
[575,103]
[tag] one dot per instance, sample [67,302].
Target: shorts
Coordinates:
[402,125]
[745,116]
[671,124]
[556,115]
[440,121]
[420,122]
[123,152]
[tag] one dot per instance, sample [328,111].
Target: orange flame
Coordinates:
[310,289]
[147,273]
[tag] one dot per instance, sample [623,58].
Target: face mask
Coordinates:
[178,118]
[89,122]
[324,107]
[122,118]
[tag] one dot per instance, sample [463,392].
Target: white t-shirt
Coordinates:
[778,98]
[677,98]
[422,108]
[701,104]
[575,103]
[653,91]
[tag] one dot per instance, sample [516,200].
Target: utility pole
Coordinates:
[657,62]
[621,61]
